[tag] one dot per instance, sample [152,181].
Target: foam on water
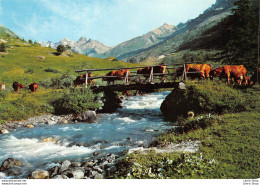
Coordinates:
[137,123]
[35,149]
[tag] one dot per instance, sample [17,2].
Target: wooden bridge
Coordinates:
[137,86]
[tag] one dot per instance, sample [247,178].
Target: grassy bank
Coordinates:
[229,144]
[27,63]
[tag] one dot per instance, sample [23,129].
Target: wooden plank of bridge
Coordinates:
[122,88]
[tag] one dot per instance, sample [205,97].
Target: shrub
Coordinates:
[2,47]
[165,166]
[62,82]
[3,95]
[29,71]
[202,121]
[51,70]
[75,101]
[61,48]
[65,81]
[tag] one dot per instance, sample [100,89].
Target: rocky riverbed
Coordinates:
[51,146]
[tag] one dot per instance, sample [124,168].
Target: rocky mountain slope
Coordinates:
[149,39]
[82,46]
[184,33]
[6,32]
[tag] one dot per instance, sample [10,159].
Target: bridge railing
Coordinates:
[151,75]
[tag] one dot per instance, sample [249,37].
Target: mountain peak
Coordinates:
[83,39]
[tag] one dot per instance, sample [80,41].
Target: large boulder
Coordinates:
[87,116]
[4,131]
[9,163]
[39,174]
[178,103]
[111,102]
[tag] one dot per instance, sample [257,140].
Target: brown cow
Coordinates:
[229,72]
[2,86]
[121,74]
[203,68]
[160,68]
[33,87]
[81,80]
[17,86]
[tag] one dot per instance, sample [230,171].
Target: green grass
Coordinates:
[229,149]
[20,63]
[21,58]
[229,146]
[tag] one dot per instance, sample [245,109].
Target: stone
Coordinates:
[95,153]
[57,177]
[54,171]
[49,140]
[98,169]
[40,57]
[4,131]
[39,174]
[87,116]
[14,171]
[64,121]
[111,169]
[75,164]
[51,122]
[65,165]
[29,126]
[9,163]
[2,175]
[99,176]
[88,164]
[76,174]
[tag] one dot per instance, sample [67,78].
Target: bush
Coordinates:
[51,70]
[60,49]
[3,95]
[29,71]
[165,166]
[203,122]
[75,101]
[62,82]
[2,47]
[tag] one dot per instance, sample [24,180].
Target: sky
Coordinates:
[108,21]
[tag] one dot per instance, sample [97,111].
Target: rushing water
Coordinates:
[136,124]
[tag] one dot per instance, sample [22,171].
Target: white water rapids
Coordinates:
[136,124]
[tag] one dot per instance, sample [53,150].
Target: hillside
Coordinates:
[22,62]
[149,39]
[6,32]
[186,32]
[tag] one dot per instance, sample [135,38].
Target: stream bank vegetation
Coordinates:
[228,135]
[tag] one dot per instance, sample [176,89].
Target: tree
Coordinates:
[2,47]
[61,48]
[241,36]
[30,41]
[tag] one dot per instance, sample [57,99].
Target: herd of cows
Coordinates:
[234,73]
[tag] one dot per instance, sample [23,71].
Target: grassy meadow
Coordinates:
[229,141]
[22,63]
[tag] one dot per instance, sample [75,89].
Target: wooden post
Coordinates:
[126,77]
[86,80]
[151,76]
[184,75]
